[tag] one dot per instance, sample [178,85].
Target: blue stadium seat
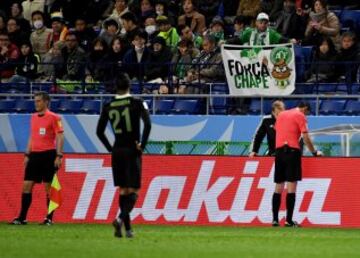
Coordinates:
[136,88]
[218,105]
[43,86]
[7,105]
[70,106]
[332,107]
[54,105]
[255,107]
[304,88]
[163,106]
[303,56]
[220,88]
[350,19]
[343,89]
[352,107]
[291,103]
[185,106]
[24,106]
[91,106]
[326,88]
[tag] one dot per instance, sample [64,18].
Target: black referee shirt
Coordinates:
[266,127]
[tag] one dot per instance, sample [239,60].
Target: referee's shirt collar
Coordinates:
[122,96]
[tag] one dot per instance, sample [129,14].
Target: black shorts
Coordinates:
[126,167]
[40,167]
[287,165]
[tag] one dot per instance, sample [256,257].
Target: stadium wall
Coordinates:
[81,137]
[191,190]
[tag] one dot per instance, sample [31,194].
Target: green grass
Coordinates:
[83,240]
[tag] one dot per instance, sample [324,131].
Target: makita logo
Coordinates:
[206,192]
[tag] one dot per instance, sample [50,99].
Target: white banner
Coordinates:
[260,70]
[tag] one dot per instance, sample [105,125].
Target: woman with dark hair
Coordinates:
[94,71]
[192,18]
[321,23]
[16,11]
[322,65]
[161,9]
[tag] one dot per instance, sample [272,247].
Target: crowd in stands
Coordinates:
[167,42]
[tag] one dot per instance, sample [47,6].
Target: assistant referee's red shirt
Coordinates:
[43,131]
[289,126]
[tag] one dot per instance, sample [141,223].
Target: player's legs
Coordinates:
[26,199]
[276,202]
[290,201]
[49,217]
[128,197]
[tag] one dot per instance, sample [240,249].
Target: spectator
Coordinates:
[113,62]
[181,63]
[137,57]
[53,67]
[192,18]
[27,65]
[74,58]
[85,34]
[240,24]
[272,7]
[120,8]
[59,30]
[96,11]
[323,66]
[15,34]
[30,6]
[95,61]
[168,32]
[209,8]
[9,53]
[151,28]
[187,34]
[290,24]
[217,30]
[16,11]
[349,53]
[130,23]
[322,23]
[161,9]
[147,9]
[207,67]
[110,30]
[40,35]
[261,34]
[249,8]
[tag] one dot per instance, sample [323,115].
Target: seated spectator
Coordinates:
[15,34]
[161,9]
[130,23]
[85,34]
[261,34]
[53,64]
[39,36]
[240,24]
[350,54]
[137,57]
[151,28]
[192,18]
[120,8]
[209,8]
[207,67]
[30,6]
[217,30]
[110,30]
[323,66]
[159,63]
[16,11]
[95,61]
[9,53]
[272,7]
[290,24]
[27,65]
[59,30]
[147,9]
[113,62]
[168,32]
[186,33]
[74,58]
[181,63]
[249,8]
[322,22]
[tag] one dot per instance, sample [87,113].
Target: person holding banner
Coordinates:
[43,155]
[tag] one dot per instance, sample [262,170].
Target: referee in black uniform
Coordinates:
[124,113]
[266,127]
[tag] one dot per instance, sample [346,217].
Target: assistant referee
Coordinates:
[43,154]
[289,126]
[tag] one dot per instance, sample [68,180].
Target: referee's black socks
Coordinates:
[276,201]
[26,199]
[49,216]
[290,204]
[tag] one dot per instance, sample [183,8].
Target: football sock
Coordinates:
[276,201]
[290,204]
[26,199]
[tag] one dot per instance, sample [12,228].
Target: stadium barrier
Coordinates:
[191,190]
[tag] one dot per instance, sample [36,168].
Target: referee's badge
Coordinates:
[42,131]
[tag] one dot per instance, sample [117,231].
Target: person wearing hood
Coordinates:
[39,36]
[95,61]
[168,32]
[27,65]
[289,23]
[322,22]
[110,30]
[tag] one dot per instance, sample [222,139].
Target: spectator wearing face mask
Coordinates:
[39,36]
[151,28]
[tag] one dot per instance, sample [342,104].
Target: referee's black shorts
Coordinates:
[40,167]
[287,165]
[126,167]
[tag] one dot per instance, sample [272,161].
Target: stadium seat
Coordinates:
[54,105]
[218,105]
[304,88]
[163,106]
[45,86]
[185,106]
[219,88]
[352,107]
[332,107]
[24,106]
[136,88]
[291,103]
[343,89]
[326,88]
[149,102]
[350,19]
[7,105]
[90,106]
[255,107]
[70,106]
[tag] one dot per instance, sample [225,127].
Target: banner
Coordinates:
[260,70]
[193,190]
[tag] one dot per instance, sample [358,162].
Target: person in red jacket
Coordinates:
[9,53]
